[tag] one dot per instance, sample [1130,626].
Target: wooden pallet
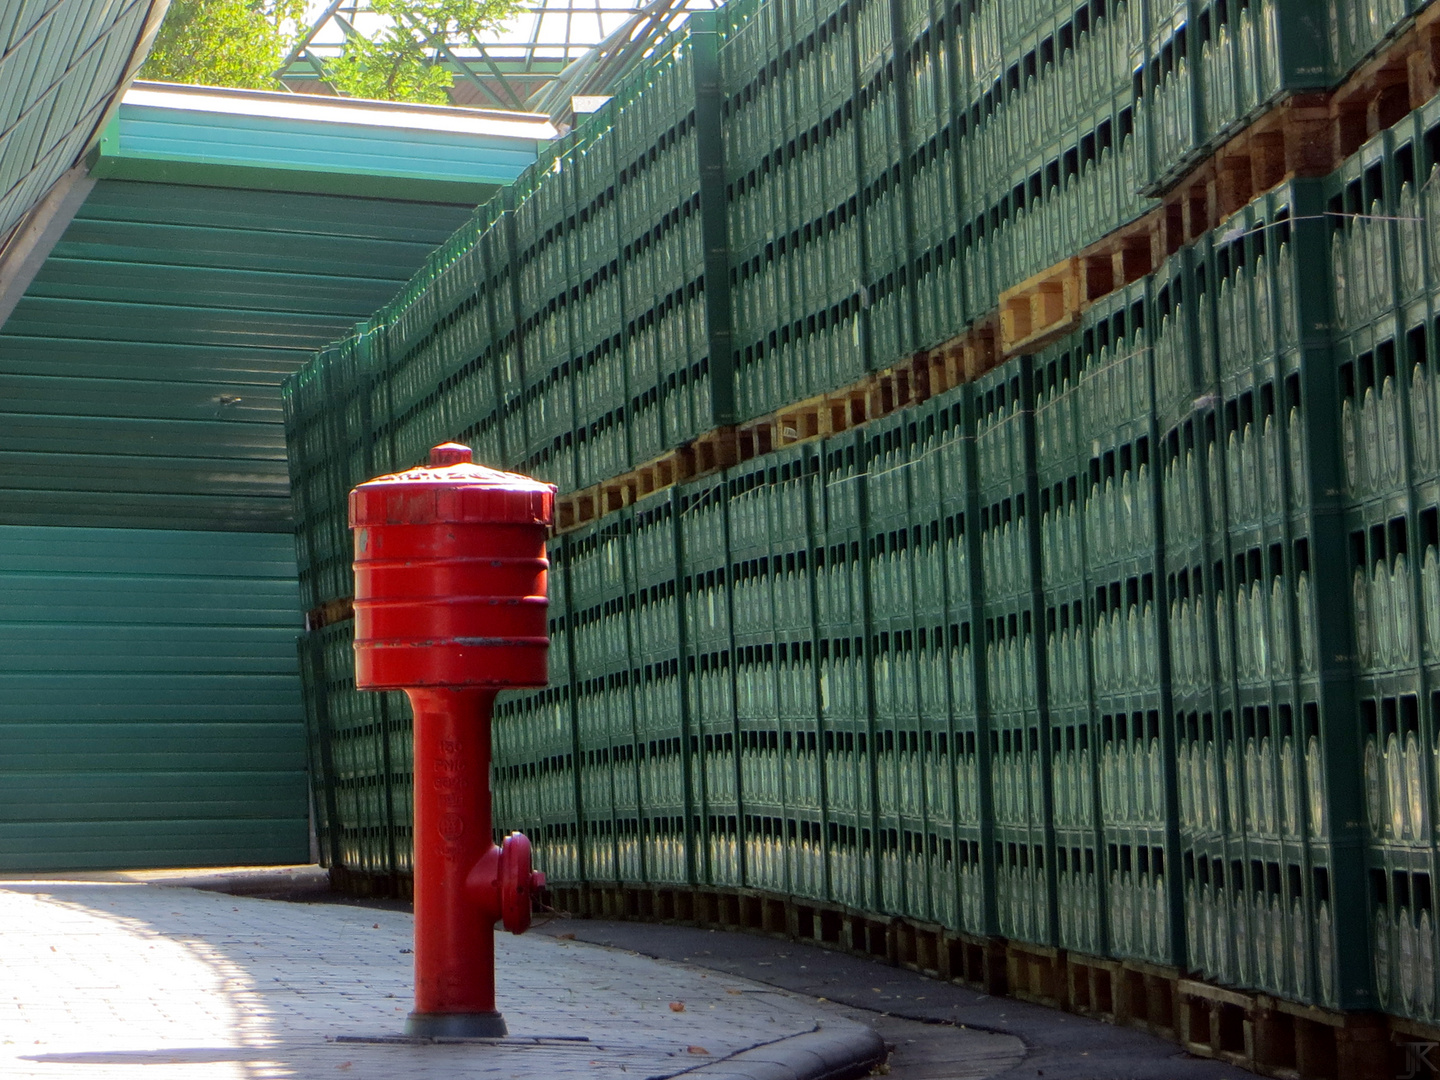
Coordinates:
[1036,973]
[1287,1039]
[590,504]
[871,397]
[341,609]
[1044,307]
[1254,1031]
[1304,135]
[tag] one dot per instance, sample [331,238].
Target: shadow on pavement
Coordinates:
[1060,1046]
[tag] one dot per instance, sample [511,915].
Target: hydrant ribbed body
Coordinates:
[450,606]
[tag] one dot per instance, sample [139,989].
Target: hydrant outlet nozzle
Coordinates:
[503,885]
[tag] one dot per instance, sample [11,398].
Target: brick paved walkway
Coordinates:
[101,977]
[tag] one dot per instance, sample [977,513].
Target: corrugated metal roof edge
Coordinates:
[115,157]
[291,106]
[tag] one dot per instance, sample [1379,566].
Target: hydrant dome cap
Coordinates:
[450,453]
[452,489]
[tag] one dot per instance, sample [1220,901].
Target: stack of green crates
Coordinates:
[1147,761]
[1043,658]
[780,201]
[360,745]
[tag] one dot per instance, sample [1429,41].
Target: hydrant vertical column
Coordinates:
[450,606]
[454,946]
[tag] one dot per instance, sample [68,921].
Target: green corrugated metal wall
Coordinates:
[150,707]
[148,607]
[139,375]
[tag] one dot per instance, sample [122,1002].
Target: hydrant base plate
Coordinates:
[484,1025]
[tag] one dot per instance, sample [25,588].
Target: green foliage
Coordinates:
[224,42]
[242,42]
[404,62]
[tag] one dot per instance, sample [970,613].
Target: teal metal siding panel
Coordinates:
[89,394]
[152,712]
[154,747]
[258,250]
[367,237]
[182,363]
[106,845]
[167,324]
[139,375]
[163,134]
[196,286]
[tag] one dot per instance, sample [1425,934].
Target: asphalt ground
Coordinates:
[918,1016]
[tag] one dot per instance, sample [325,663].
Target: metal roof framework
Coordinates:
[554,51]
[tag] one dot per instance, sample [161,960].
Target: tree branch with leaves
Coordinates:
[224,42]
[242,42]
[405,61]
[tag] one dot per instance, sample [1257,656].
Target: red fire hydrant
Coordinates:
[450,606]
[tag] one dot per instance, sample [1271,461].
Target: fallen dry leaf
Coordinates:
[732,990]
[566,937]
[697,1050]
[677,1006]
